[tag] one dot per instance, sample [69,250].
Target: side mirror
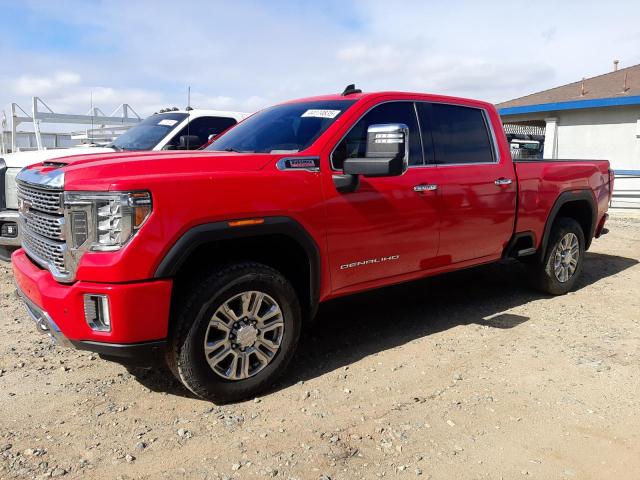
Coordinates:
[386,155]
[387,152]
[189,142]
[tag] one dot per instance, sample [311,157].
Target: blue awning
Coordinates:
[572,105]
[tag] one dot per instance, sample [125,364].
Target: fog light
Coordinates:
[9,230]
[96,312]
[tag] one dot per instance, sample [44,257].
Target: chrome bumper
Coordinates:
[9,216]
[44,323]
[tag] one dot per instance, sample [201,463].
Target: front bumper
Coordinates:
[139,313]
[9,217]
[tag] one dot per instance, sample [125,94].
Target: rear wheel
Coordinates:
[561,264]
[235,332]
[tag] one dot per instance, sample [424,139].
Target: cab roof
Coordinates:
[427,97]
[201,112]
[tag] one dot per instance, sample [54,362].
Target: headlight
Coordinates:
[10,188]
[104,221]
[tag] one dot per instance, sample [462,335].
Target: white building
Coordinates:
[595,118]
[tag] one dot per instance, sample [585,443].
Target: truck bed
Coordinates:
[541,182]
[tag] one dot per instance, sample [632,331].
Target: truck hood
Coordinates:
[140,170]
[23,159]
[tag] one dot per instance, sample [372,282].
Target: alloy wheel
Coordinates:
[244,335]
[566,257]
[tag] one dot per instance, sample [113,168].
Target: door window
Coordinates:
[354,144]
[460,134]
[203,128]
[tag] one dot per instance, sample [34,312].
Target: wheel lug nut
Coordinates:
[234,345]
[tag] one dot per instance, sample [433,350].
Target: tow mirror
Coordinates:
[386,155]
[189,142]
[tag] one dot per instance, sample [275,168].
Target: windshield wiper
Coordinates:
[231,149]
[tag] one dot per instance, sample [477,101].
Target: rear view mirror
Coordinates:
[387,152]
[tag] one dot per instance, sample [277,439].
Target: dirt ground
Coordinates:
[470,375]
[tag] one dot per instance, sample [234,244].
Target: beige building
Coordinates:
[594,118]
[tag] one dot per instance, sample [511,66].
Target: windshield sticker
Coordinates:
[168,122]
[321,113]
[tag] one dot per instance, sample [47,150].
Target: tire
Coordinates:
[246,369]
[546,275]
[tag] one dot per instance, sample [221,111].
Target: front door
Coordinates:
[385,228]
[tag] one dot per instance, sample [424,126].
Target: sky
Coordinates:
[245,55]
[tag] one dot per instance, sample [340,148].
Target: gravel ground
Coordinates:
[468,375]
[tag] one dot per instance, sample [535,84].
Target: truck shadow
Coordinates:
[351,328]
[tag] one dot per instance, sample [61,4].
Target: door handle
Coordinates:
[424,187]
[503,181]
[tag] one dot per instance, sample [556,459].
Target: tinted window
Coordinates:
[290,127]
[203,128]
[426,130]
[460,134]
[148,133]
[355,143]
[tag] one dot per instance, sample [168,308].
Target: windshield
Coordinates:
[148,133]
[287,128]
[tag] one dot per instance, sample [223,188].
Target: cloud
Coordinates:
[247,55]
[27,84]
[549,33]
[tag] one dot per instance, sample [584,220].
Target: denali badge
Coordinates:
[369,262]
[299,163]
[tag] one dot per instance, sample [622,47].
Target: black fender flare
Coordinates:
[222,230]
[563,199]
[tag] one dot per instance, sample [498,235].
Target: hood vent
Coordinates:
[54,164]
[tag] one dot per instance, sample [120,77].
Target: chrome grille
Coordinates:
[42,227]
[42,200]
[43,250]
[48,226]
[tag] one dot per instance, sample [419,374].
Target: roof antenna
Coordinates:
[189,99]
[350,90]
[92,115]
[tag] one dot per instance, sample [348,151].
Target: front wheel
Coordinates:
[235,332]
[561,264]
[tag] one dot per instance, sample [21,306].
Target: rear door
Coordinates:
[477,188]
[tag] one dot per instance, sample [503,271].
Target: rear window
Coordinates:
[460,135]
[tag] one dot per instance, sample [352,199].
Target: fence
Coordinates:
[27,141]
[626,190]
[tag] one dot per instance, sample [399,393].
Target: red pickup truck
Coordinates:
[215,260]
